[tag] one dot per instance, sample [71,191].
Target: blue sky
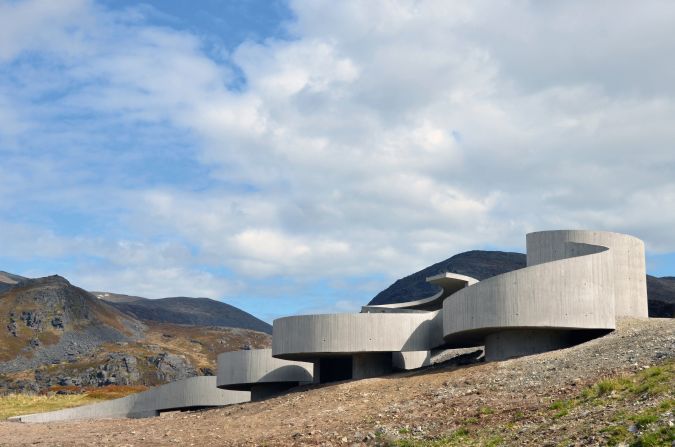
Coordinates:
[299,157]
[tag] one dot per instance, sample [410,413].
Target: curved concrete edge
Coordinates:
[257,371]
[628,262]
[449,283]
[192,393]
[410,359]
[305,337]
[567,294]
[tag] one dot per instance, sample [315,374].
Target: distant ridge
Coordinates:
[183,310]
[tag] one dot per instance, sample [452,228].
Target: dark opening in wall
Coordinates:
[333,369]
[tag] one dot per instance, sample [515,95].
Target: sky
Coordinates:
[297,157]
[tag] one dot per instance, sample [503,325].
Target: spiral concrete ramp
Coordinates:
[260,373]
[574,286]
[189,394]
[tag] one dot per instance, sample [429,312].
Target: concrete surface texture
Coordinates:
[628,265]
[305,337]
[192,393]
[575,285]
[257,371]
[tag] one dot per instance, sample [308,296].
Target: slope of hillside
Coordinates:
[615,390]
[56,334]
[48,320]
[661,292]
[182,310]
[485,264]
[7,280]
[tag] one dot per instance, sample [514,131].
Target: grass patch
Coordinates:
[18,404]
[486,410]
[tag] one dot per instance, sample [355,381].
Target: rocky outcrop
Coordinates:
[172,367]
[65,336]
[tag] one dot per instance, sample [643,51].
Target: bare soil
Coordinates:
[514,402]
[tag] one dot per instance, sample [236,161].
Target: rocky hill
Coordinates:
[54,334]
[7,280]
[182,310]
[485,264]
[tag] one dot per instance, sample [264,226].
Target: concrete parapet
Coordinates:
[449,283]
[306,337]
[628,262]
[192,393]
[256,370]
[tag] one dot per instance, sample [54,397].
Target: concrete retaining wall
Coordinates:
[192,393]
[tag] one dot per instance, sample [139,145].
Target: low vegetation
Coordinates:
[59,398]
[636,410]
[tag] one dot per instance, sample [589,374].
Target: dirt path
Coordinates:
[423,404]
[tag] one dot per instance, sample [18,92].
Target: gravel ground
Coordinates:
[423,403]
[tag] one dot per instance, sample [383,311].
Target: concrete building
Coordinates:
[575,285]
[377,341]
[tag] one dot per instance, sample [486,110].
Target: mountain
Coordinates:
[7,280]
[182,310]
[54,334]
[661,293]
[485,264]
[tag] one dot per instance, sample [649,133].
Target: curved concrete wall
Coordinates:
[242,370]
[195,392]
[576,283]
[308,336]
[449,283]
[628,253]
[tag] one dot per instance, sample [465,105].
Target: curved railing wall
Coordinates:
[304,337]
[192,393]
[449,283]
[569,289]
[257,371]
[628,263]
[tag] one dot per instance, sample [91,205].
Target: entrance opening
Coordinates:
[333,369]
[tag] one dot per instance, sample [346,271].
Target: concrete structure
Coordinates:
[189,394]
[449,283]
[574,286]
[380,339]
[352,346]
[260,373]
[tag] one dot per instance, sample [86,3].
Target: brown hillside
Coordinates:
[616,390]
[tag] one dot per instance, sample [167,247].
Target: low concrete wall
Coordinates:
[306,337]
[195,392]
[258,371]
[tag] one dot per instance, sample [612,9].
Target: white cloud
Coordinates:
[384,136]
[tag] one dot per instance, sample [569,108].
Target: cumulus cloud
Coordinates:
[379,138]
